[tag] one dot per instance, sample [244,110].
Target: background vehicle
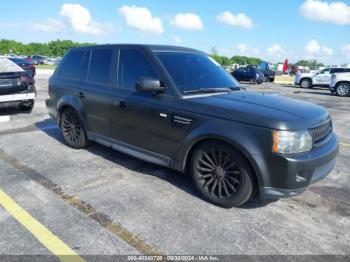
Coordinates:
[321,78]
[179,108]
[24,64]
[266,70]
[16,85]
[40,60]
[249,74]
[340,84]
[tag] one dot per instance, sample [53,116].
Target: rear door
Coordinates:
[86,75]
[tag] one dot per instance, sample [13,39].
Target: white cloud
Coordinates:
[239,20]
[275,49]
[187,21]
[141,19]
[244,49]
[177,39]
[336,12]
[346,50]
[50,26]
[81,20]
[313,48]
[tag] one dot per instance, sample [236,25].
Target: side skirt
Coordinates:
[131,150]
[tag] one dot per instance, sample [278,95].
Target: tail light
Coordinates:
[26,79]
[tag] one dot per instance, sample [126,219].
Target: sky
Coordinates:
[273,30]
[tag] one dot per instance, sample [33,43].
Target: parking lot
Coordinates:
[101,202]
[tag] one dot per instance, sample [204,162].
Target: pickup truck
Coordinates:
[340,84]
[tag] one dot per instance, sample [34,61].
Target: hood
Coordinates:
[267,110]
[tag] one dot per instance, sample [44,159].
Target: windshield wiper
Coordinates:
[210,90]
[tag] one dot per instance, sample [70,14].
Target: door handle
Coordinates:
[120,104]
[80,94]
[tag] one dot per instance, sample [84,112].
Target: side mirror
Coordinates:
[148,84]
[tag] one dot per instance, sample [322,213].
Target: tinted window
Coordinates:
[338,70]
[100,66]
[347,70]
[192,71]
[133,64]
[71,65]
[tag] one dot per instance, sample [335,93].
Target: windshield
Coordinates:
[194,71]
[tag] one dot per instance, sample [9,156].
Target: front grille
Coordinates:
[320,132]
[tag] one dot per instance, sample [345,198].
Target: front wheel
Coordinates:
[72,129]
[221,174]
[306,83]
[343,89]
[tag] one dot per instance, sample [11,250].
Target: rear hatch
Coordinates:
[11,83]
[10,77]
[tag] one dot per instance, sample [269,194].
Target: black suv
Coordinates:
[178,108]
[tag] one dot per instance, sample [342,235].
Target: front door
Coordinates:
[140,119]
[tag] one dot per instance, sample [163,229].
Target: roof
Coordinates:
[155,48]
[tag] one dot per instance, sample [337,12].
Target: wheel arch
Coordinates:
[237,146]
[70,102]
[306,78]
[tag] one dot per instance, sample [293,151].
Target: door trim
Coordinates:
[131,150]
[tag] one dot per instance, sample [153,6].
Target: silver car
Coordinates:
[320,78]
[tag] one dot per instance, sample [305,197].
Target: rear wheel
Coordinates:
[267,78]
[72,129]
[306,83]
[221,174]
[343,89]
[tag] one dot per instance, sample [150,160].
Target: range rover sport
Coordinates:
[178,108]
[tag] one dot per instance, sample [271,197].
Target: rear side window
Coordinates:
[133,64]
[100,66]
[72,63]
[338,70]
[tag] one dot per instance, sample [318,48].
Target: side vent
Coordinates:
[183,122]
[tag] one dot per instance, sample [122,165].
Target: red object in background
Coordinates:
[285,66]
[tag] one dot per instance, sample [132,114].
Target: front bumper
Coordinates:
[286,176]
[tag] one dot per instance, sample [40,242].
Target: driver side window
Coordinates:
[133,64]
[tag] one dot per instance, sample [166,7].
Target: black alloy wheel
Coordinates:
[221,175]
[72,129]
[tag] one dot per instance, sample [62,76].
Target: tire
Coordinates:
[221,174]
[343,89]
[306,83]
[27,105]
[252,81]
[267,78]
[73,129]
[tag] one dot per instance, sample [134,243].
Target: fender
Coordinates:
[248,139]
[73,102]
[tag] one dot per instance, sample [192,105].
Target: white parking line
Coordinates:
[4,118]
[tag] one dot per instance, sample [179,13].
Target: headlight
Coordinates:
[291,142]
[257,76]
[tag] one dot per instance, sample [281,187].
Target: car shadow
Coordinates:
[140,167]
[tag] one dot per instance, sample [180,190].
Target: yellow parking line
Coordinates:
[47,238]
[344,144]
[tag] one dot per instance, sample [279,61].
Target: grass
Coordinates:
[45,66]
